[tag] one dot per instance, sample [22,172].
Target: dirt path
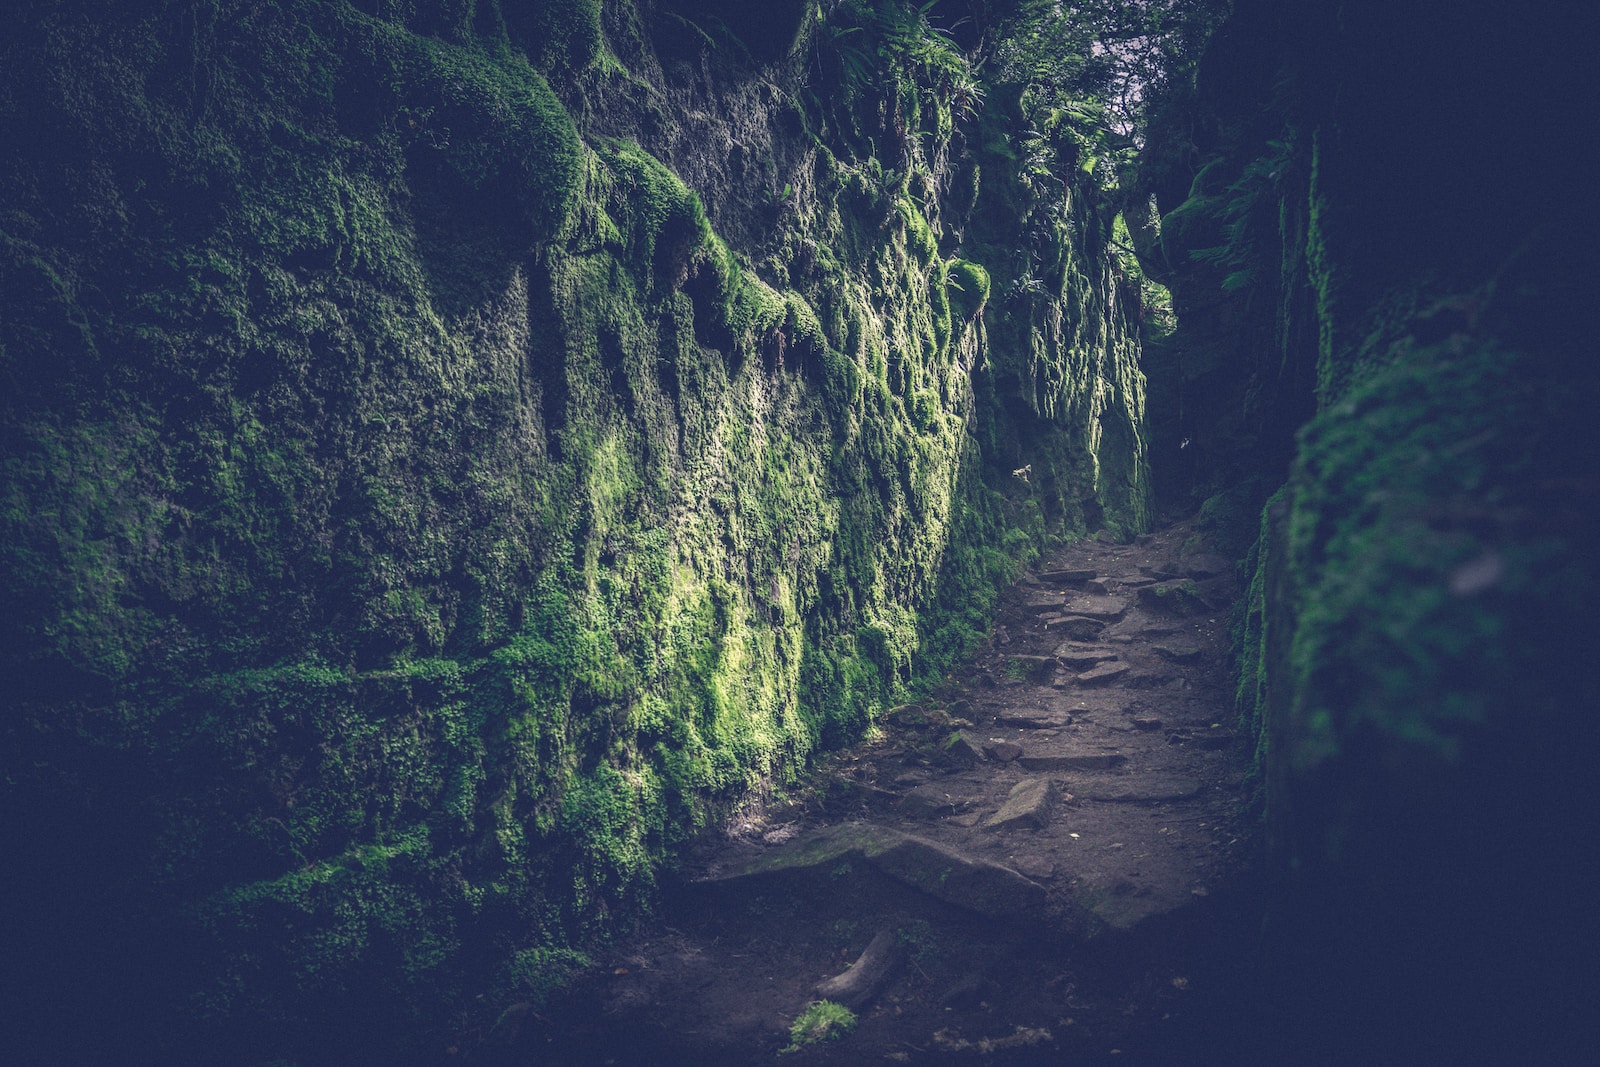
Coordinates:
[1049,853]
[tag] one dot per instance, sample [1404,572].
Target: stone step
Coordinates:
[1207,565]
[1140,790]
[1103,674]
[1034,718]
[1066,575]
[1097,607]
[926,867]
[1080,627]
[1081,657]
[1178,651]
[1046,762]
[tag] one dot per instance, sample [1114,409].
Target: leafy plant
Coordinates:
[823,1020]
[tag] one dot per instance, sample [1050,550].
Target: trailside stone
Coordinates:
[1097,607]
[1078,627]
[1003,751]
[1043,601]
[1207,565]
[1138,790]
[1104,762]
[1183,597]
[1066,575]
[1081,657]
[1036,867]
[1033,664]
[908,715]
[959,748]
[925,866]
[1028,805]
[927,801]
[1102,674]
[1178,651]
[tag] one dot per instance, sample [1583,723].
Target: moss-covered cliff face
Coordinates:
[454,450]
[1381,341]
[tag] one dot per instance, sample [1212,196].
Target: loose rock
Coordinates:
[1028,805]
[1003,751]
[958,748]
[1082,657]
[1077,627]
[1104,762]
[928,801]
[1066,575]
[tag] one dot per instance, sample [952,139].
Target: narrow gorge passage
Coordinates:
[1054,848]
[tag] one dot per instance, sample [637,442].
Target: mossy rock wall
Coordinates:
[450,461]
[1412,651]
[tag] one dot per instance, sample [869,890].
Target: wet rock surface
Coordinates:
[1049,839]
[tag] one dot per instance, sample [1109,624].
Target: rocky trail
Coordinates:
[1046,864]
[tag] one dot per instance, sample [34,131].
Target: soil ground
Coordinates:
[1055,846]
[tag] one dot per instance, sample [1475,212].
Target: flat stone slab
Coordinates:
[1137,790]
[1028,805]
[1037,762]
[1066,575]
[1103,674]
[1082,657]
[1178,651]
[1079,627]
[1034,718]
[1097,607]
[928,867]
[1181,597]
[1045,601]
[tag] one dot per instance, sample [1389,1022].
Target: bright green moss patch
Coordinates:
[970,285]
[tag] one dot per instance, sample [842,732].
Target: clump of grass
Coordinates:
[822,1020]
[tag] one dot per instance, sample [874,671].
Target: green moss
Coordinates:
[970,283]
